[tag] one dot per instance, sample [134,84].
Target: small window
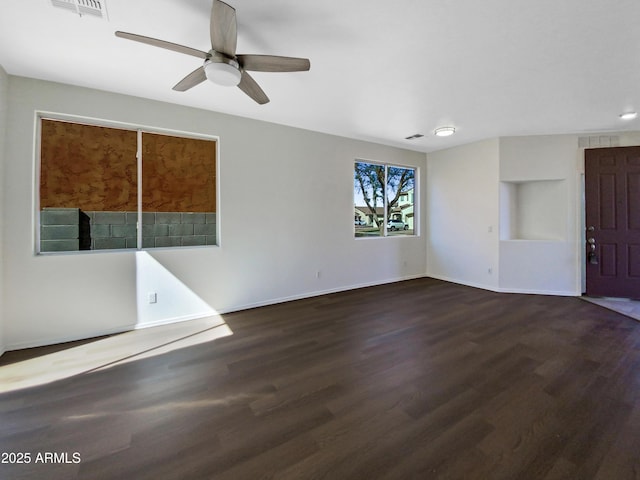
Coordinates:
[95,194]
[383,200]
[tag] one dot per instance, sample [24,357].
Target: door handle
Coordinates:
[592,257]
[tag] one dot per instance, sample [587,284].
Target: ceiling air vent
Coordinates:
[414,136]
[95,8]
[599,141]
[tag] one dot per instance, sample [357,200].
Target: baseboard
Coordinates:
[465,283]
[127,328]
[556,293]
[274,301]
[101,333]
[491,288]
[317,293]
[167,321]
[74,338]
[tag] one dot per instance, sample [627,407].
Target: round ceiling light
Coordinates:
[444,131]
[628,115]
[223,73]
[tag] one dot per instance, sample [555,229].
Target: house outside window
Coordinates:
[384,199]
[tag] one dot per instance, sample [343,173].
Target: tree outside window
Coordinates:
[383,200]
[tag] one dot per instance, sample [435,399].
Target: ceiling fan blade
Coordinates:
[223,28]
[194,78]
[249,86]
[162,44]
[272,63]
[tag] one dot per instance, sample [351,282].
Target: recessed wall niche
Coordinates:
[533,210]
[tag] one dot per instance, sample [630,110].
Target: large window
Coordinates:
[112,188]
[383,200]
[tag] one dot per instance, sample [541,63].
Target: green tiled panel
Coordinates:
[59,245]
[59,232]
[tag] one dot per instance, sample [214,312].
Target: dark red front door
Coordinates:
[612,203]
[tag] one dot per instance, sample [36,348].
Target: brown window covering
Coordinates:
[87,167]
[94,168]
[178,174]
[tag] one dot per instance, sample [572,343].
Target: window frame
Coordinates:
[41,115]
[416,194]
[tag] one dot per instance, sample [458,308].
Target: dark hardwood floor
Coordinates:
[420,379]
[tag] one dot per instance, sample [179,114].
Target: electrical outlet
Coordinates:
[489,270]
[317,273]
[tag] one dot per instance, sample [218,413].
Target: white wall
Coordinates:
[4,87]
[462,213]
[625,139]
[178,302]
[545,257]
[286,212]
[539,213]
[491,185]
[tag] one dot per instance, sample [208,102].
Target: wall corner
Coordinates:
[4,88]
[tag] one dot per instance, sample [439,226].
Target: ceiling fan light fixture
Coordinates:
[223,73]
[444,131]
[221,64]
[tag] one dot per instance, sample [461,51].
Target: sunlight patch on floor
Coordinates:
[111,351]
[170,407]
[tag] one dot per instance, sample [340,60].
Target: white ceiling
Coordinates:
[381,70]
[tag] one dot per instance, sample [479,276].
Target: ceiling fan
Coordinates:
[221,64]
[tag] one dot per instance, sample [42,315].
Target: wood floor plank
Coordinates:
[417,379]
